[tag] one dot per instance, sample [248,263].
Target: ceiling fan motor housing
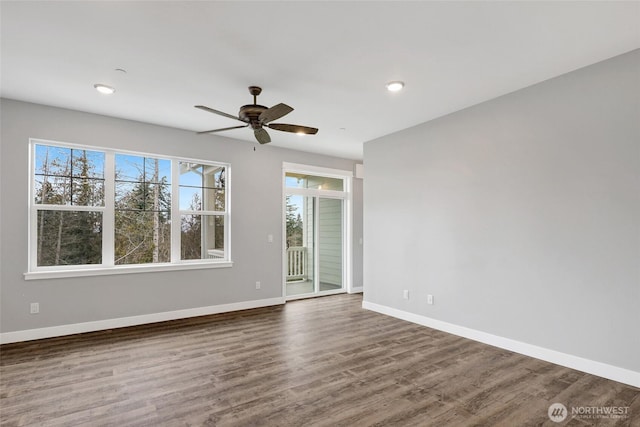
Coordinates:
[250,114]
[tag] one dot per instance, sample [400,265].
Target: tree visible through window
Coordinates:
[69,184]
[294,224]
[202,207]
[70,208]
[142,210]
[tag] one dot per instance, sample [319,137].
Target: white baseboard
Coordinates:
[99,325]
[356,290]
[600,369]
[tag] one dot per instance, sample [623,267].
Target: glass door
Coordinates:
[300,245]
[315,237]
[330,224]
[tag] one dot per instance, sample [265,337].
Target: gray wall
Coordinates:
[256,202]
[520,215]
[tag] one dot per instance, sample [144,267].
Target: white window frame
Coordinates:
[108,217]
[175,207]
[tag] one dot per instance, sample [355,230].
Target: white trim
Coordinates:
[32,253]
[109,214]
[203,213]
[227,209]
[311,170]
[175,207]
[99,325]
[347,230]
[283,229]
[69,208]
[314,192]
[125,269]
[593,367]
[316,244]
[356,290]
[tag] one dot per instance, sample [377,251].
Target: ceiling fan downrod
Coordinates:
[255,91]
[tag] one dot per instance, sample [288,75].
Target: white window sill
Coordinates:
[124,269]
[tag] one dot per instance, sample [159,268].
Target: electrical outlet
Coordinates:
[258,285]
[34,308]
[405,294]
[270,238]
[429,299]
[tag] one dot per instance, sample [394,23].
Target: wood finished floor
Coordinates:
[316,362]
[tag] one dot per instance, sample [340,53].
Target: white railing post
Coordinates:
[296,263]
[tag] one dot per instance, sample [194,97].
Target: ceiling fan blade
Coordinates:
[274,113]
[262,136]
[293,128]
[220,130]
[220,113]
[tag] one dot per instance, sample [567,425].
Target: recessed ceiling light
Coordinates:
[107,90]
[395,86]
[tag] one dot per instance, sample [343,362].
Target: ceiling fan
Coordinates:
[258,116]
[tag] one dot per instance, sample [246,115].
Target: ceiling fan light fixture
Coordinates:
[104,89]
[395,86]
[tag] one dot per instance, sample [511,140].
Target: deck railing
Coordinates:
[296,263]
[215,254]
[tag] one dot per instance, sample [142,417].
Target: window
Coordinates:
[202,207]
[317,182]
[95,208]
[69,200]
[142,209]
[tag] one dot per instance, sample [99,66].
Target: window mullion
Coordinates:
[175,211]
[191,212]
[72,208]
[108,217]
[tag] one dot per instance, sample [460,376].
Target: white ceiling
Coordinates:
[328,60]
